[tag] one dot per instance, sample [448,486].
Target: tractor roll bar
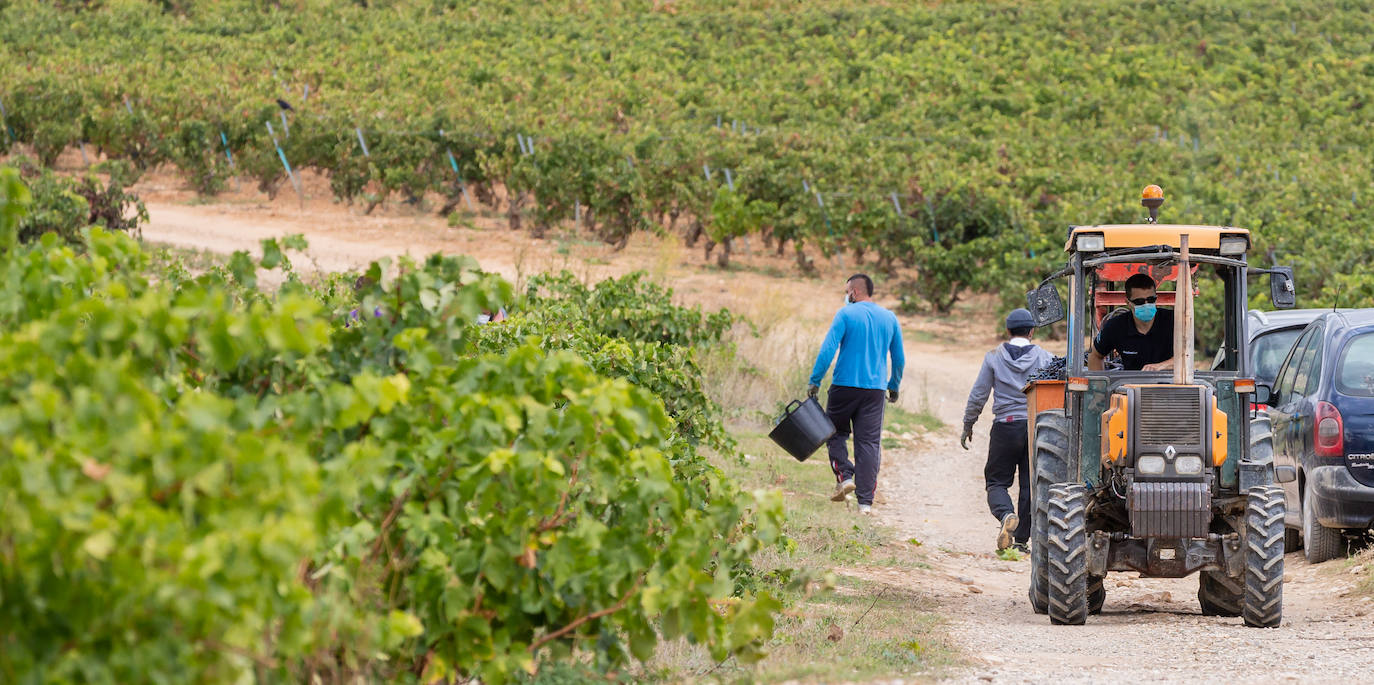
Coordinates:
[1171,255]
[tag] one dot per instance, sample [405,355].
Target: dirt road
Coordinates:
[1149,631]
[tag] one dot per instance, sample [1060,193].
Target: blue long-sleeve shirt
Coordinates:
[865,334]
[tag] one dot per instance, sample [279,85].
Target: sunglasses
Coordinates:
[1144,300]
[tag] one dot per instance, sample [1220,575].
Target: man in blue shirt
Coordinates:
[864,334]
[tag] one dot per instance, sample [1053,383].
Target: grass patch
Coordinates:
[194,260]
[1362,566]
[901,420]
[856,629]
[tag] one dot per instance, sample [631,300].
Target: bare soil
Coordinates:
[1150,630]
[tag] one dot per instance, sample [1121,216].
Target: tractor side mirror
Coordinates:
[1044,304]
[1263,393]
[1281,291]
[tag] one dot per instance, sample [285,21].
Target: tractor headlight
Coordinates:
[1092,242]
[1234,245]
[1188,465]
[1150,464]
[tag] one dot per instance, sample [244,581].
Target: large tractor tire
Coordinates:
[1097,594]
[1050,467]
[1219,594]
[1319,543]
[1066,534]
[1262,449]
[1263,602]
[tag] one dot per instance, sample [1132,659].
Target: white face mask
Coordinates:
[483,318]
[848,299]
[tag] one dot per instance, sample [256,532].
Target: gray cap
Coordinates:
[1020,318]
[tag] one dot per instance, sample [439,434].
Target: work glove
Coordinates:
[813,390]
[892,396]
[967,436]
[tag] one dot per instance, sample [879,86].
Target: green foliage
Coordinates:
[626,328]
[15,199]
[65,206]
[205,483]
[994,129]
[734,215]
[628,307]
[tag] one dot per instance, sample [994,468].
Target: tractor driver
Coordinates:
[1145,339]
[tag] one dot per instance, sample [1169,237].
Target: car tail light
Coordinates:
[1329,433]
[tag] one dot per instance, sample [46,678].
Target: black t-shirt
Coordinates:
[1119,333]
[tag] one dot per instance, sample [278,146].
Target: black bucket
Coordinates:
[804,427]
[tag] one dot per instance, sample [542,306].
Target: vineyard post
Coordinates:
[228,154]
[86,161]
[930,208]
[362,142]
[128,106]
[300,195]
[285,126]
[306,95]
[829,228]
[4,122]
[462,184]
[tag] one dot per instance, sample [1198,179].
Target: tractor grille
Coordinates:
[1171,416]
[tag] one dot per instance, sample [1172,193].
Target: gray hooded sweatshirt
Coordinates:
[1004,373]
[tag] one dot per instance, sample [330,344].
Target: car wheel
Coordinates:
[1319,543]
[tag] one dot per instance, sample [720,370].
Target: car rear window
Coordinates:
[1269,350]
[1355,375]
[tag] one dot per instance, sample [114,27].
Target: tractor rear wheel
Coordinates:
[1051,458]
[1067,543]
[1097,595]
[1219,594]
[1263,601]
[1292,540]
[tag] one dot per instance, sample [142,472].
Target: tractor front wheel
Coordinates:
[1263,601]
[1067,546]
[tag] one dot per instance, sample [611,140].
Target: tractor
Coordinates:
[1169,472]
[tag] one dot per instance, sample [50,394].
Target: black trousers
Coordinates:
[1009,459]
[860,411]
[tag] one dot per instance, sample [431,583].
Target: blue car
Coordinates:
[1321,407]
[1271,335]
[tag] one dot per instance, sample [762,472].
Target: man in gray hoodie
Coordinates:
[1004,373]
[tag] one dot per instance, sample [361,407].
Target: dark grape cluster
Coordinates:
[1055,371]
